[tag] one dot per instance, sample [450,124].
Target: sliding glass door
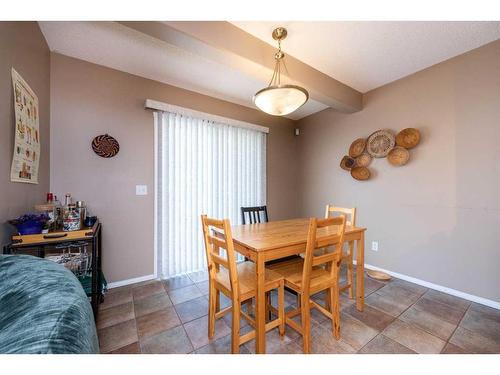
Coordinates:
[203,167]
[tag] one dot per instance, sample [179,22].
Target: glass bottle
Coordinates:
[50,210]
[71,217]
[71,220]
[59,213]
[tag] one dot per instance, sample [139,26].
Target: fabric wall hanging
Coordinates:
[26,157]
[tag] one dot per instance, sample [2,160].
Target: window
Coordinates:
[205,165]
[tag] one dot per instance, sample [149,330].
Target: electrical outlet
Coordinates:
[375,245]
[141,190]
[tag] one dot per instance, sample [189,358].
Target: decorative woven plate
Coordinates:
[357,147]
[105,146]
[363,160]
[408,138]
[398,156]
[380,143]
[378,275]
[360,173]
[347,163]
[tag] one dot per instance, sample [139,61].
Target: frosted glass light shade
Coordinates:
[280,100]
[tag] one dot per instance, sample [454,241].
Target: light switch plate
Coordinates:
[141,189]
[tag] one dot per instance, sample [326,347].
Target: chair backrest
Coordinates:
[323,233]
[332,210]
[253,214]
[214,243]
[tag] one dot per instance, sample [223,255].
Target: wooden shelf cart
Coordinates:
[37,244]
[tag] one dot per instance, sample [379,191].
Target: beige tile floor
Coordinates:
[399,317]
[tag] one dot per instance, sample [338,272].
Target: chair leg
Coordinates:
[212,294]
[306,323]
[269,315]
[217,300]
[350,271]
[334,296]
[281,309]
[328,301]
[235,329]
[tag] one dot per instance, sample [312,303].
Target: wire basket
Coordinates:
[75,257]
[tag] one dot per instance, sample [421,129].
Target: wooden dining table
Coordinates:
[264,242]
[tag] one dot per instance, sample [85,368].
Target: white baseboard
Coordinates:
[453,292]
[117,284]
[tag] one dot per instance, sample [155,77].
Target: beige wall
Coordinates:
[437,218]
[88,100]
[23,47]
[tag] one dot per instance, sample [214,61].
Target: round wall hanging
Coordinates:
[408,138]
[357,147]
[347,163]
[363,160]
[360,173]
[398,156]
[380,143]
[105,146]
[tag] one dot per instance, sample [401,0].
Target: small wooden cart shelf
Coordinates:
[39,243]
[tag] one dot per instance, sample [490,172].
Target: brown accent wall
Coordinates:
[23,47]
[437,218]
[87,100]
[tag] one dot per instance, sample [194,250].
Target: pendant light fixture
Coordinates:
[277,99]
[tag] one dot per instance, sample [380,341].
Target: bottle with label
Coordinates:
[82,211]
[71,219]
[71,216]
[58,213]
[67,199]
[50,210]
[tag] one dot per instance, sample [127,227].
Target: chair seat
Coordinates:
[291,271]
[246,279]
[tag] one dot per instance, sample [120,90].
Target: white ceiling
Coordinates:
[368,54]
[116,46]
[363,55]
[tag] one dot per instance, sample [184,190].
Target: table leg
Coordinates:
[360,272]
[260,310]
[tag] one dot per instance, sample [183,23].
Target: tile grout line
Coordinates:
[458,325]
[395,318]
[405,310]
[441,303]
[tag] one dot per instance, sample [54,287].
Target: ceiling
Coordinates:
[368,54]
[115,46]
[363,55]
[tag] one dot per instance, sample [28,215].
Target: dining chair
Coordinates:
[237,282]
[254,215]
[347,257]
[314,274]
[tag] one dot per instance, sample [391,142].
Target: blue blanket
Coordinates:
[43,308]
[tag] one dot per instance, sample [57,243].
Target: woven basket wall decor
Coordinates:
[357,147]
[363,160]
[398,156]
[360,173]
[347,163]
[380,143]
[105,146]
[408,138]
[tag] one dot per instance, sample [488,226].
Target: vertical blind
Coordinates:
[203,167]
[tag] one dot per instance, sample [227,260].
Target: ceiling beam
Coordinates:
[227,44]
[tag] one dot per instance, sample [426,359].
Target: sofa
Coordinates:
[43,309]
